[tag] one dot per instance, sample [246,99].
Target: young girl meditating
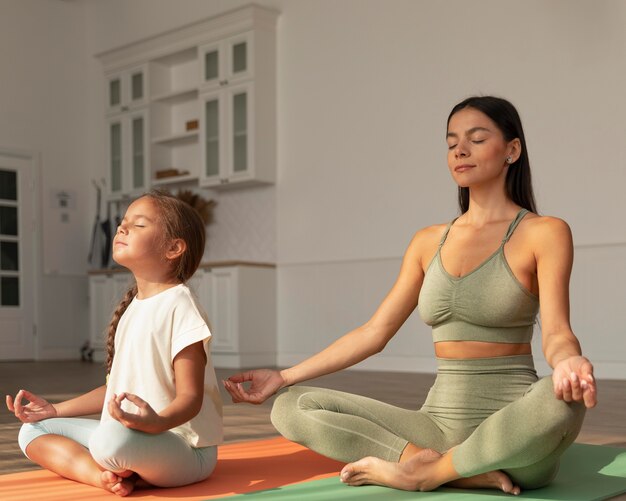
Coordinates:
[161,409]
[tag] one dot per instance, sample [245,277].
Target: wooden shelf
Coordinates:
[174,179]
[183,137]
[177,96]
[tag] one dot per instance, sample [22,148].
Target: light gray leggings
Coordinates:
[163,460]
[493,409]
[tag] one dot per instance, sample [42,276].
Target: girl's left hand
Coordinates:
[146,420]
[574,382]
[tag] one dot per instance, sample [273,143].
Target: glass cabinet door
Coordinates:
[115,92]
[239,50]
[212,136]
[210,64]
[127,89]
[240,131]
[138,152]
[239,57]
[137,86]
[115,156]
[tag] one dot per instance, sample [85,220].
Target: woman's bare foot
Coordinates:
[412,475]
[121,484]
[421,472]
[490,480]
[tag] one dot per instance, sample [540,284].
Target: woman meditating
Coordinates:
[480,282]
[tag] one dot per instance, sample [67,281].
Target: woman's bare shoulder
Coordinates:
[430,234]
[547,230]
[425,242]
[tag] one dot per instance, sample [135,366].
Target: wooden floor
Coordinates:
[605,425]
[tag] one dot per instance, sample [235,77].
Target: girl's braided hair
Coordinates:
[178,221]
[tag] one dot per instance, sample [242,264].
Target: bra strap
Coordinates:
[445,233]
[513,225]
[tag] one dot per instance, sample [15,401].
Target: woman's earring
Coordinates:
[509,160]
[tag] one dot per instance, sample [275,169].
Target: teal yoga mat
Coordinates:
[587,473]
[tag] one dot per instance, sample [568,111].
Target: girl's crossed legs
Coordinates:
[162,460]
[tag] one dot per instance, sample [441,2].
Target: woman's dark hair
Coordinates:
[519,186]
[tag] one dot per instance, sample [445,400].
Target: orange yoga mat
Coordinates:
[242,467]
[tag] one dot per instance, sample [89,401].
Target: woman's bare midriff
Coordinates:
[479,349]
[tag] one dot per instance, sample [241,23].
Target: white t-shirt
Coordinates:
[150,333]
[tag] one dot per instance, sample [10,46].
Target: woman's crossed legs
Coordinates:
[403,448]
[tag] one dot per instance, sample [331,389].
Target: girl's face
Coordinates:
[139,238]
[477,149]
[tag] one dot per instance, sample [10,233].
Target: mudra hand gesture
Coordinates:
[264,383]
[36,409]
[574,382]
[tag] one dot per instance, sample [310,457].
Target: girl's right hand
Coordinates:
[264,383]
[36,409]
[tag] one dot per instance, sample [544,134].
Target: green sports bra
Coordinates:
[487,304]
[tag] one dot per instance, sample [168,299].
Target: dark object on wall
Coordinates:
[191,125]
[98,237]
[107,236]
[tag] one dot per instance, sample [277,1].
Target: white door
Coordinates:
[17,260]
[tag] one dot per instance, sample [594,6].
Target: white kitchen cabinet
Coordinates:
[128,154]
[239,300]
[227,62]
[209,93]
[105,293]
[234,149]
[241,304]
[127,89]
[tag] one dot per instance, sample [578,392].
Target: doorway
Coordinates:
[18,232]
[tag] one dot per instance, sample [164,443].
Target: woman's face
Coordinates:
[477,149]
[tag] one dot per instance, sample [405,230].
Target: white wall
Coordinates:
[42,111]
[364,88]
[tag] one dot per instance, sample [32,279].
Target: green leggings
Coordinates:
[494,410]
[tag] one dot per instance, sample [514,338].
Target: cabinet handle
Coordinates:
[124,108]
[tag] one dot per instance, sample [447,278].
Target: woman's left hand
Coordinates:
[146,420]
[574,382]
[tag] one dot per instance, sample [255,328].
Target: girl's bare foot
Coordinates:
[121,484]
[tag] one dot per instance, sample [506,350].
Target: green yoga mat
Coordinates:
[587,473]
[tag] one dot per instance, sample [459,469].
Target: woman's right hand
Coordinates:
[36,409]
[264,383]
